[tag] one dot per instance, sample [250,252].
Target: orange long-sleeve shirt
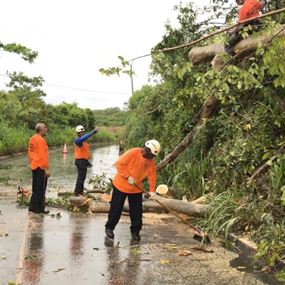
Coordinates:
[250,9]
[133,164]
[38,152]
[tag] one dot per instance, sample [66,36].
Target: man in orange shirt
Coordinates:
[249,9]
[132,167]
[82,156]
[38,158]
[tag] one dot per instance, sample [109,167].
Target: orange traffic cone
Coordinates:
[64,149]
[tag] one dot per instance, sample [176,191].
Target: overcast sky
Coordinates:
[76,38]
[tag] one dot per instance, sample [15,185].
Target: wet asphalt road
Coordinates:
[66,248]
[72,249]
[63,171]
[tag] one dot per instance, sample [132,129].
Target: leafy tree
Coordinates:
[245,134]
[26,53]
[110,117]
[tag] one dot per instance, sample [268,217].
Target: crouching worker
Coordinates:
[132,167]
[249,9]
[82,156]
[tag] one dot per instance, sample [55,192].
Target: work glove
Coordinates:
[89,164]
[47,173]
[131,180]
[148,195]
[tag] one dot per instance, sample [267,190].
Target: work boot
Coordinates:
[136,237]
[39,212]
[109,233]
[229,50]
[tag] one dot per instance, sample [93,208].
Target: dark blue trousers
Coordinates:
[39,185]
[81,165]
[117,203]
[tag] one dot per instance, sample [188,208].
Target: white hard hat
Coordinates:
[80,129]
[154,146]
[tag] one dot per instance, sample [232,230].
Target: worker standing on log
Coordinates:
[132,167]
[249,9]
[82,156]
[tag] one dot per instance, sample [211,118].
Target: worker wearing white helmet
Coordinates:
[82,156]
[132,168]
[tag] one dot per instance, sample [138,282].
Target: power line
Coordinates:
[142,56]
[77,88]
[83,89]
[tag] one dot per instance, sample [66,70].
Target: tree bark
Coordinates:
[203,54]
[244,47]
[223,30]
[188,208]
[204,113]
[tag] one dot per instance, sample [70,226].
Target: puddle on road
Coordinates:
[73,250]
[63,170]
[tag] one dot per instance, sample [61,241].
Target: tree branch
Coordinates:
[222,30]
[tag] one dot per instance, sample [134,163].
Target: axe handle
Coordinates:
[169,210]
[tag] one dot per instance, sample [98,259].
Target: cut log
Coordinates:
[178,206]
[218,61]
[212,102]
[250,44]
[269,14]
[79,201]
[93,206]
[246,46]
[199,55]
[150,205]
[99,207]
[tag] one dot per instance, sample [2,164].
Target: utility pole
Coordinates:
[132,80]
[131,69]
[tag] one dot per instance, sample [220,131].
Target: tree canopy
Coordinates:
[245,131]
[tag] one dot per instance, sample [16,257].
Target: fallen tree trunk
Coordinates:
[199,120]
[99,207]
[188,208]
[212,102]
[223,30]
[204,54]
[205,112]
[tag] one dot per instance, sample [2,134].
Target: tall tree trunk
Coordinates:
[205,112]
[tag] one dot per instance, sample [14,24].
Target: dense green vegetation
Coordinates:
[22,106]
[238,154]
[246,133]
[110,117]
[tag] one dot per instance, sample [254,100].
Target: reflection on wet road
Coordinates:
[34,256]
[63,170]
[71,248]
